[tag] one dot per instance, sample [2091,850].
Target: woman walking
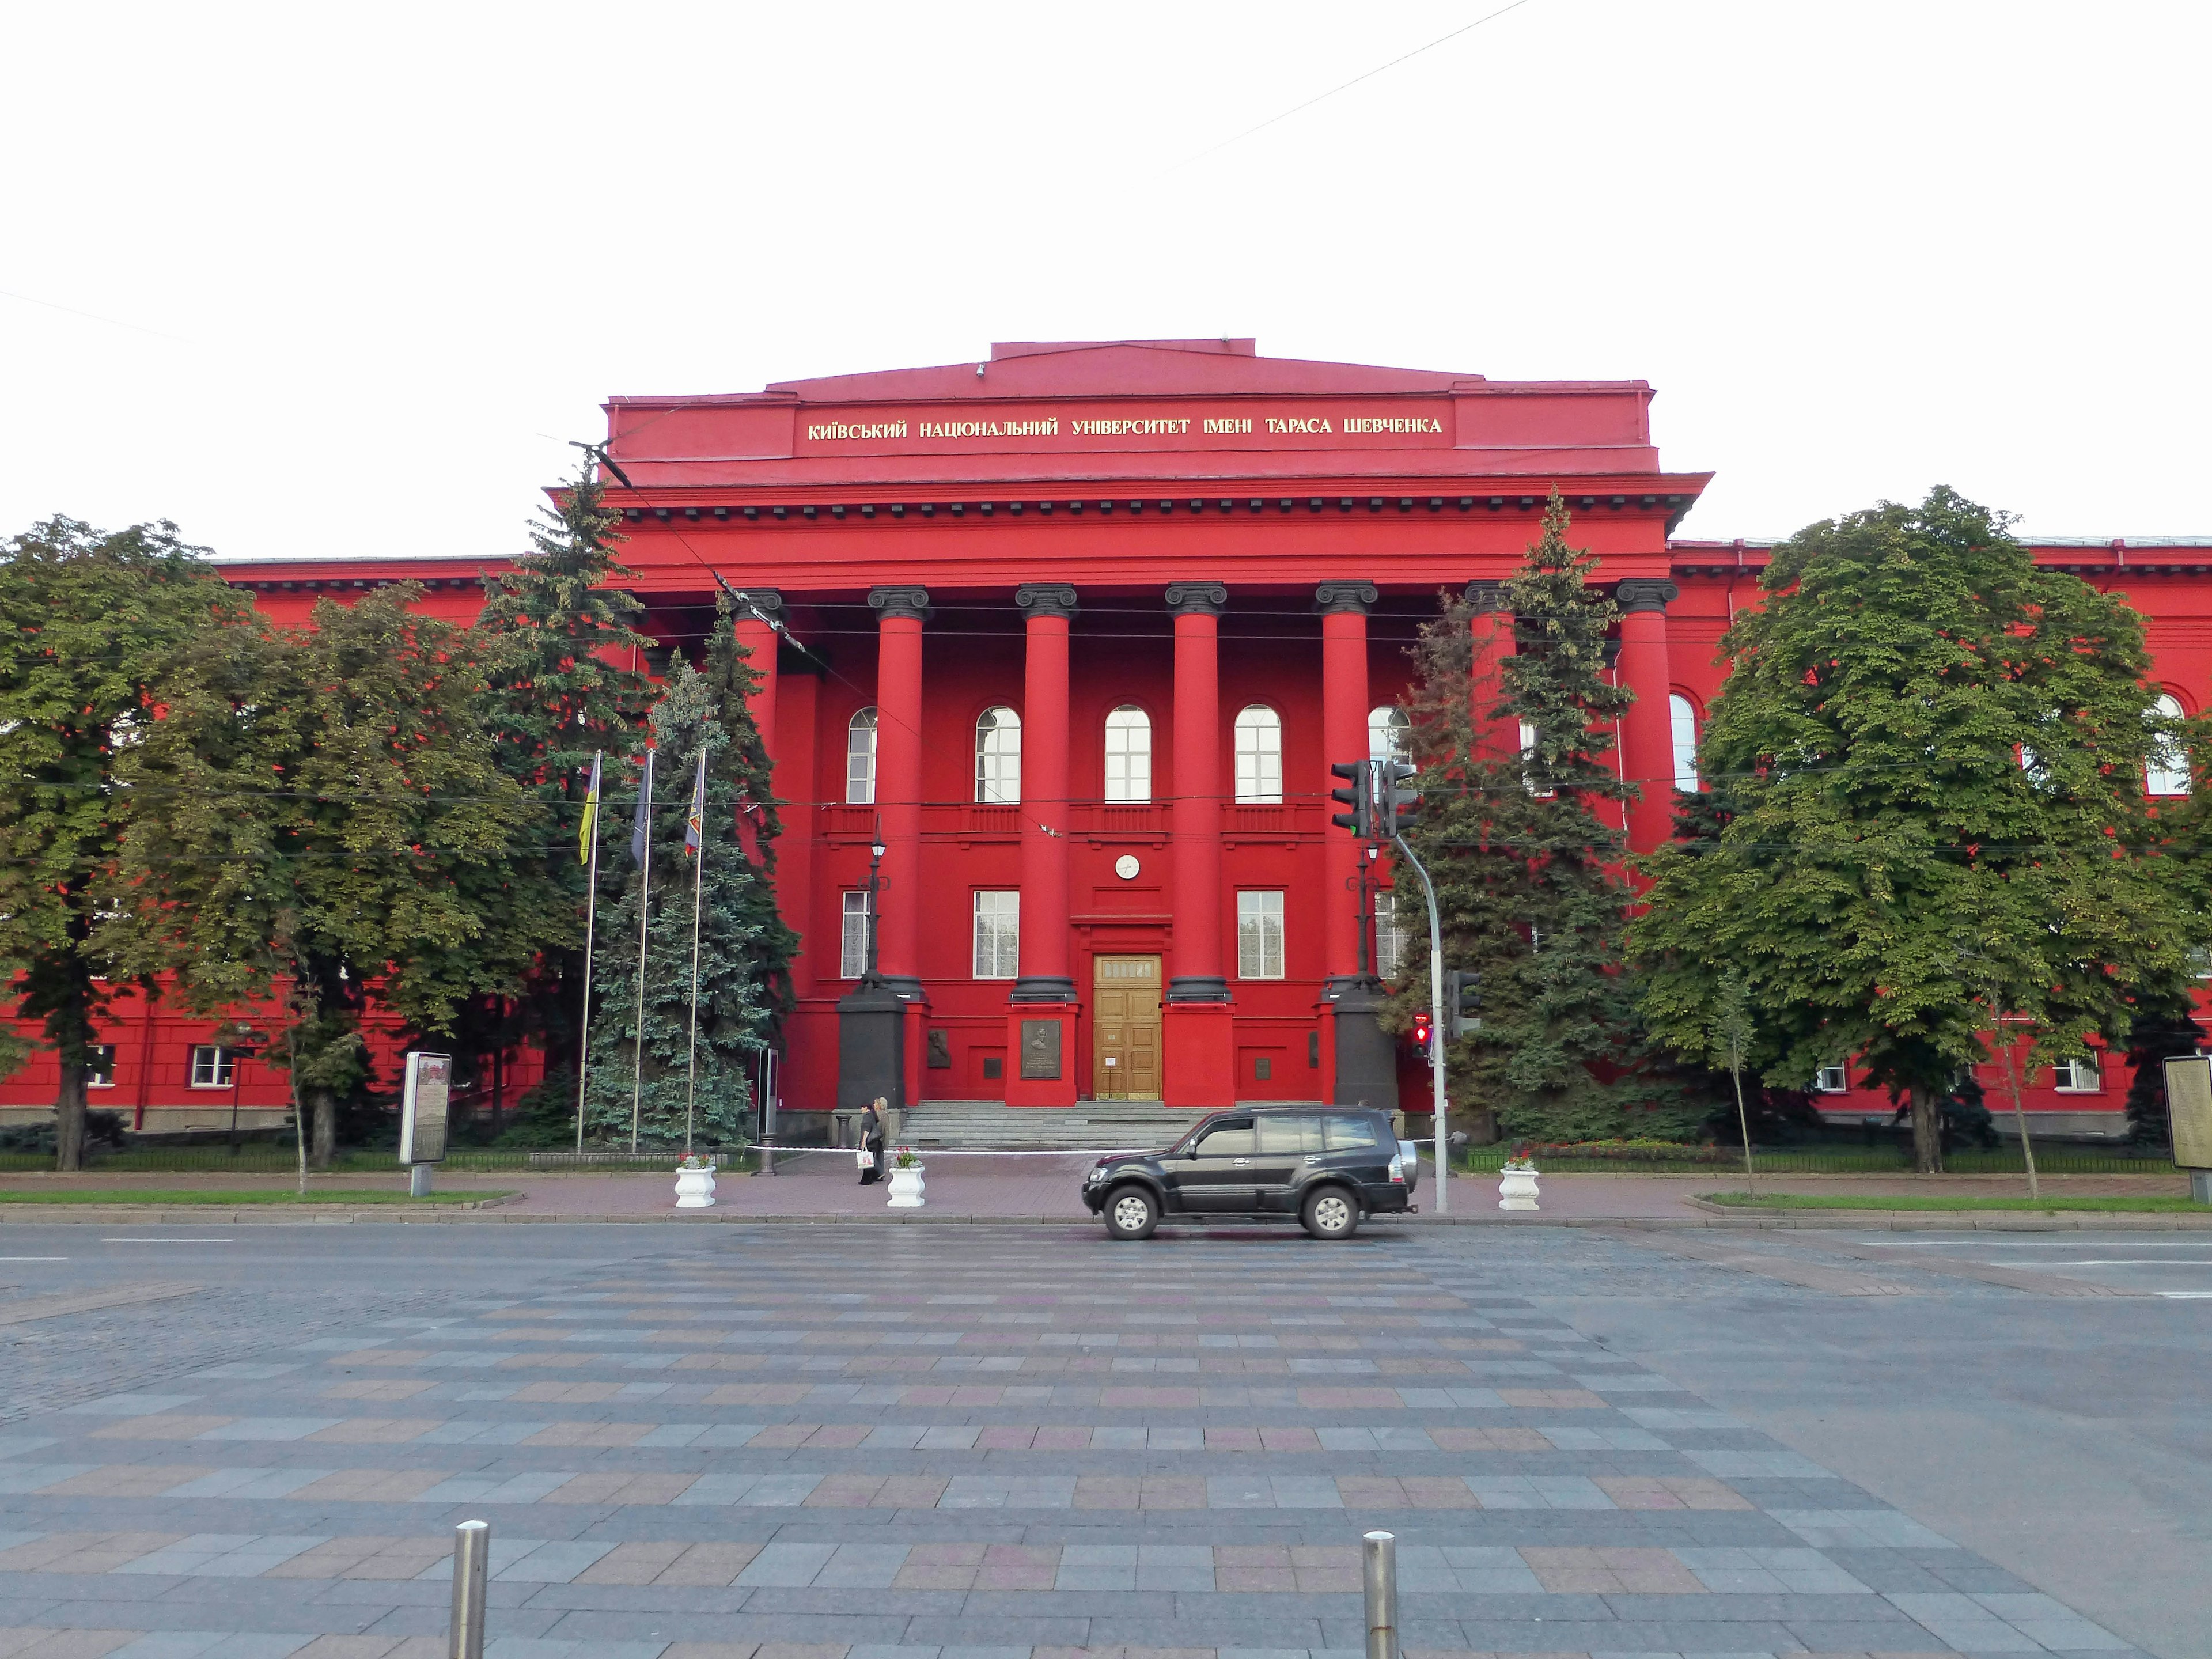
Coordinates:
[872,1131]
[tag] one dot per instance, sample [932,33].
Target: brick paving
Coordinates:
[973,1443]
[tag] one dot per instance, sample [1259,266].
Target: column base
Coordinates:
[1197,988]
[1042,987]
[1366,1057]
[879,1043]
[1197,1054]
[1040,1038]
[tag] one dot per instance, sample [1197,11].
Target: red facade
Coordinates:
[1181,531]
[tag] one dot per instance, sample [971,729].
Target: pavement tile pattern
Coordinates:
[811,1443]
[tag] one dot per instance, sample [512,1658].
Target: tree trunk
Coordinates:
[69,1113]
[1927,1130]
[326,1129]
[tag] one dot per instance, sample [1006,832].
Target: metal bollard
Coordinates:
[471,1553]
[1379,1573]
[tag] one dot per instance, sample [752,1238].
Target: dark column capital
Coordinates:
[1486,597]
[900,601]
[1197,598]
[1045,600]
[1339,597]
[764,603]
[1645,594]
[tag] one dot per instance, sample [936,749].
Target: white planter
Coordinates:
[1516,1189]
[906,1189]
[694,1188]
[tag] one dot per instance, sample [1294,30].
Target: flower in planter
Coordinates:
[905,1159]
[694,1161]
[1520,1163]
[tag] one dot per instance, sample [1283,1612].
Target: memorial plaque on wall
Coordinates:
[2188,1109]
[1041,1051]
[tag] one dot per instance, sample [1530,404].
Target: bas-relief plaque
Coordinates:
[1041,1051]
[2188,1109]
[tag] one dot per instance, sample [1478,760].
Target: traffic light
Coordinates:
[1360,798]
[1395,804]
[1462,1003]
[1423,1034]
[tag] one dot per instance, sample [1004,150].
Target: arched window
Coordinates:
[1128,753]
[999,757]
[860,759]
[1389,730]
[1259,754]
[1684,716]
[2168,771]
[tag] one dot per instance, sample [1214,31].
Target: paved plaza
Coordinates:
[799,1441]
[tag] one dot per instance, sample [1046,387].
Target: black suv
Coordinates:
[1331,1167]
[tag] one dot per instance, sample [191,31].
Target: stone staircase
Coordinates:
[992,1125]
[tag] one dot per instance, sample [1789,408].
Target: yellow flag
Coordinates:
[590,830]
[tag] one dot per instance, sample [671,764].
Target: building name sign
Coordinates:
[1286,425]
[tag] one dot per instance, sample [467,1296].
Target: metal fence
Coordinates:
[1722,1163]
[271,1158]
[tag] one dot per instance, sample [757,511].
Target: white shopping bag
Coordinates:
[866,1158]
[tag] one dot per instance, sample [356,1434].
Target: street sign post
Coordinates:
[424,1100]
[2189,1120]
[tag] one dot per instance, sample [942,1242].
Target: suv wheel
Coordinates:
[1330,1214]
[1131,1212]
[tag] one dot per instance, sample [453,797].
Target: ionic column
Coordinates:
[1048,607]
[899,613]
[1647,749]
[1497,738]
[1198,897]
[1343,607]
[756,633]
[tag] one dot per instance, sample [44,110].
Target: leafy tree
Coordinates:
[87,622]
[1886,863]
[1527,862]
[564,677]
[743,948]
[2164,1033]
[334,827]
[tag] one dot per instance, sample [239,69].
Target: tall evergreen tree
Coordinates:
[1526,858]
[565,676]
[743,948]
[88,621]
[1932,753]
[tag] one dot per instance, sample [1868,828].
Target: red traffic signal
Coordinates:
[1423,1030]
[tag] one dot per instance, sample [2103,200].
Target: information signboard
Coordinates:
[423,1107]
[2188,1109]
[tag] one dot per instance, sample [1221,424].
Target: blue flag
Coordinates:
[641,826]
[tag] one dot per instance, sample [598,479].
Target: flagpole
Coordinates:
[698,880]
[644,918]
[591,924]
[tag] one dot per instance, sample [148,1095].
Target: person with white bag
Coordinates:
[871,1154]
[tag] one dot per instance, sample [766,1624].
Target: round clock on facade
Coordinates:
[1127,867]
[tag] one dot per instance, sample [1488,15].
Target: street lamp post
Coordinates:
[875,888]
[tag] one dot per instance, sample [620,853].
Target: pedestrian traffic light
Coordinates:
[1395,804]
[1360,798]
[1463,1004]
[1423,1034]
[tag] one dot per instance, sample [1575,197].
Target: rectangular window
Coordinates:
[1389,939]
[2076,1077]
[1260,935]
[1528,763]
[998,934]
[1291,1137]
[1833,1080]
[852,951]
[212,1066]
[99,1067]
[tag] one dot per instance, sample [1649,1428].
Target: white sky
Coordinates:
[405,249]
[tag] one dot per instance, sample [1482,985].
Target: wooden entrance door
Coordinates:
[1125,1029]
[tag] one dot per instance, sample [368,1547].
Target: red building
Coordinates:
[1073,635]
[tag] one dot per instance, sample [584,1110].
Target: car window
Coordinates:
[1288,1136]
[1230,1141]
[1346,1133]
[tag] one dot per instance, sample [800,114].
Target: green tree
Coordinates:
[334,829]
[743,948]
[1527,859]
[564,677]
[89,621]
[1931,756]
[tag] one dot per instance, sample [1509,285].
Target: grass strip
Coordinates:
[2140,1203]
[260,1195]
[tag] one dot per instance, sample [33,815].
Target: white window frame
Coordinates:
[1682,727]
[998,934]
[1259,756]
[1128,755]
[99,1067]
[1841,1084]
[853,935]
[2067,1077]
[998,758]
[1260,932]
[2166,774]
[860,757]
[1389,733]
[213,1066]
[1527,751]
